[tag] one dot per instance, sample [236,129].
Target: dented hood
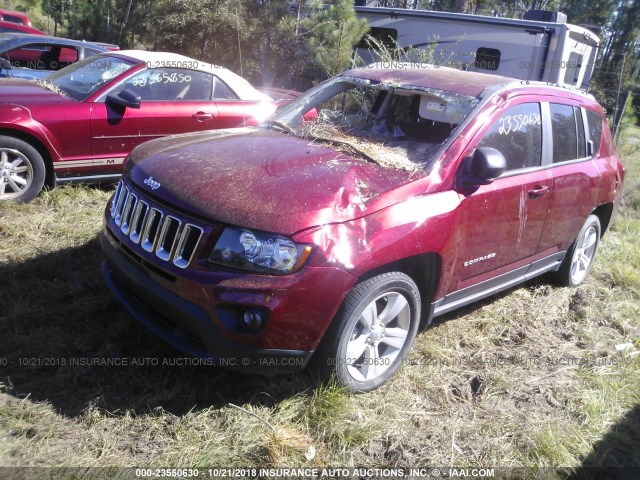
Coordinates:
[262,179]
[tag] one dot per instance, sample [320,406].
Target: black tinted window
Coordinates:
[487,58]
[595,130]
[384,36]
[574,65]
[518,135]
[12,19]
[565,141]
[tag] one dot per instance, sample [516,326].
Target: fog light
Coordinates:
[251,320]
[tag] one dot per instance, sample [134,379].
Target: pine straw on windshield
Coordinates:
[379,152]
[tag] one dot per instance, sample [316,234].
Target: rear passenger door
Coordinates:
[576,140]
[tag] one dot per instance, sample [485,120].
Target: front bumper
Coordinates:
[185,325]
[185,310]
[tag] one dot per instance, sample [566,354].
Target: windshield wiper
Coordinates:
[279,126]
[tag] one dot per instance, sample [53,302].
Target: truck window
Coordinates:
[487,58]
[517,134]
[573,67]
[385,36]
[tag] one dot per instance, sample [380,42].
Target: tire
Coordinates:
[22,170]
[364,347]
[579,259]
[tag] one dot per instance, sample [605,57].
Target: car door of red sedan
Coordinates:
[173,101]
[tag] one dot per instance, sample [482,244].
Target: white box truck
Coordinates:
[541,47]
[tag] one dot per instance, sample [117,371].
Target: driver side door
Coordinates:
[173,101]
[501,223]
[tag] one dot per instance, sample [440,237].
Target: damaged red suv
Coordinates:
[327,238]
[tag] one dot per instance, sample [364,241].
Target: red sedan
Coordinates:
[81,122]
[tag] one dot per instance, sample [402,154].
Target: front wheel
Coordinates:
[579,259]
[22,170]
[372,332]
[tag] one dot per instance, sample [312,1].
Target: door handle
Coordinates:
[538,191]
[202,116]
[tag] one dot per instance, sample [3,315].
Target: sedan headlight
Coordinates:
[260,252]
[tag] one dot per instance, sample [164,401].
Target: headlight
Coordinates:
[259,252]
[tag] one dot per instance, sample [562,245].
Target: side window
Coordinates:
[12,19]
[565,139]
[582,147]
[170,84]
[517,134]
[221,91]
[27,56]
[43,57]
[487,58]
[65,57]
[595,130]
[89,52]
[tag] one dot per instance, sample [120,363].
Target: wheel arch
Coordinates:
[604,213]
[50,179]
[424,269]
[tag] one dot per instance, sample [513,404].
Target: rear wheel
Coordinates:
[22,170]
[579,259]
[372,333]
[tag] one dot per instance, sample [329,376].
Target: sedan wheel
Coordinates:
[22,170]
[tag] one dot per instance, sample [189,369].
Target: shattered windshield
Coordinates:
[83,78]
[394,126]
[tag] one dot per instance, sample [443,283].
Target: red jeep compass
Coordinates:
[326,238]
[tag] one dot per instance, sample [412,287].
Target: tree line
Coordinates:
[294,44]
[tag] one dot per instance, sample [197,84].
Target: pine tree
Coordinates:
[333,32]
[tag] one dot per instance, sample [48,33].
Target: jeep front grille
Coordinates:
[153,229]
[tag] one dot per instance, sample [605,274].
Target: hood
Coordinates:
[262,179]
[27,92]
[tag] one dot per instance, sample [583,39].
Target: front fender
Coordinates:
[419,225]
[16,118]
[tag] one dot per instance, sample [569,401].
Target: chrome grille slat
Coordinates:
[139,218]
[150,230]
[127,212]
[120,205]
[168,237]
[116,197]
[154,230]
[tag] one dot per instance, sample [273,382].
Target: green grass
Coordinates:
[532,378]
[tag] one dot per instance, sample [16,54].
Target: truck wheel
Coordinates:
[372,332]
[578,261]
[22,170]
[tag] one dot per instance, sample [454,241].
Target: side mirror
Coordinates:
[487,164]
[126,98]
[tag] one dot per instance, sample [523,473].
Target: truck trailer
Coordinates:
[542,46]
